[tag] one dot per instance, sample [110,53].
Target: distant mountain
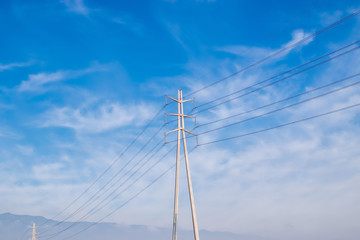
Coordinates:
[18,227]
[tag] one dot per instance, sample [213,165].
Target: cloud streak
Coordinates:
[11,66]
[76,6]
[259,52]
[88,119]
[38,82]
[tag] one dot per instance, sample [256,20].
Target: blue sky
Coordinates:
[79,80]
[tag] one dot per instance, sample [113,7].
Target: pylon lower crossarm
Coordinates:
[173,131]
[182,115]
[187,100]
[189,132]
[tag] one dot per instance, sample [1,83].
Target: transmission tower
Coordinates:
[33,232]
[181,131]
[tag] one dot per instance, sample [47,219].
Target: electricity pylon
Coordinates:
[33,232]
[181,130]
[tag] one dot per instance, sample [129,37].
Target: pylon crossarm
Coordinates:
[172,98]
[189,132]
[170,132]
[197,141]
[187,100]
[173,131]
[172,114]
[181,115]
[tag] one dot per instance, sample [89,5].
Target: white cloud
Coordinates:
[47,172]
[329,18]
[257,53]
[38,82]
[299,39]
[176,33]
[8,133]
[99,118]
[11,66]
[76,6]
[25,150]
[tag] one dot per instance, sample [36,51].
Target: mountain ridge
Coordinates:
[17,227]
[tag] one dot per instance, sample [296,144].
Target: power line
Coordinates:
[282,73]
[91,200]
[277,81]
[97,208]
[124,204]
[74,223]
[281,125]
[280,109]
[289,46]
[107,169]
[284,99]
[109,195]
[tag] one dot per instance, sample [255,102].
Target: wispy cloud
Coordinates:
[37,82]
[25,150]
[9,134]
[130,23]
[46,172]
[76,6]
[176,33]
[252,52]
[97,119]
[11,66]
[297,36]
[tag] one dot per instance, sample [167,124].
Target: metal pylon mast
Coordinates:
[181,131]
[33,232]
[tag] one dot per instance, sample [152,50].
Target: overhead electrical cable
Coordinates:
[281,125]
[279,101]
[131,184]
[282,108]
[97,208]
[96,195]
[110,166]
[277,81]
[289,46]
[74,223]
[282,73]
